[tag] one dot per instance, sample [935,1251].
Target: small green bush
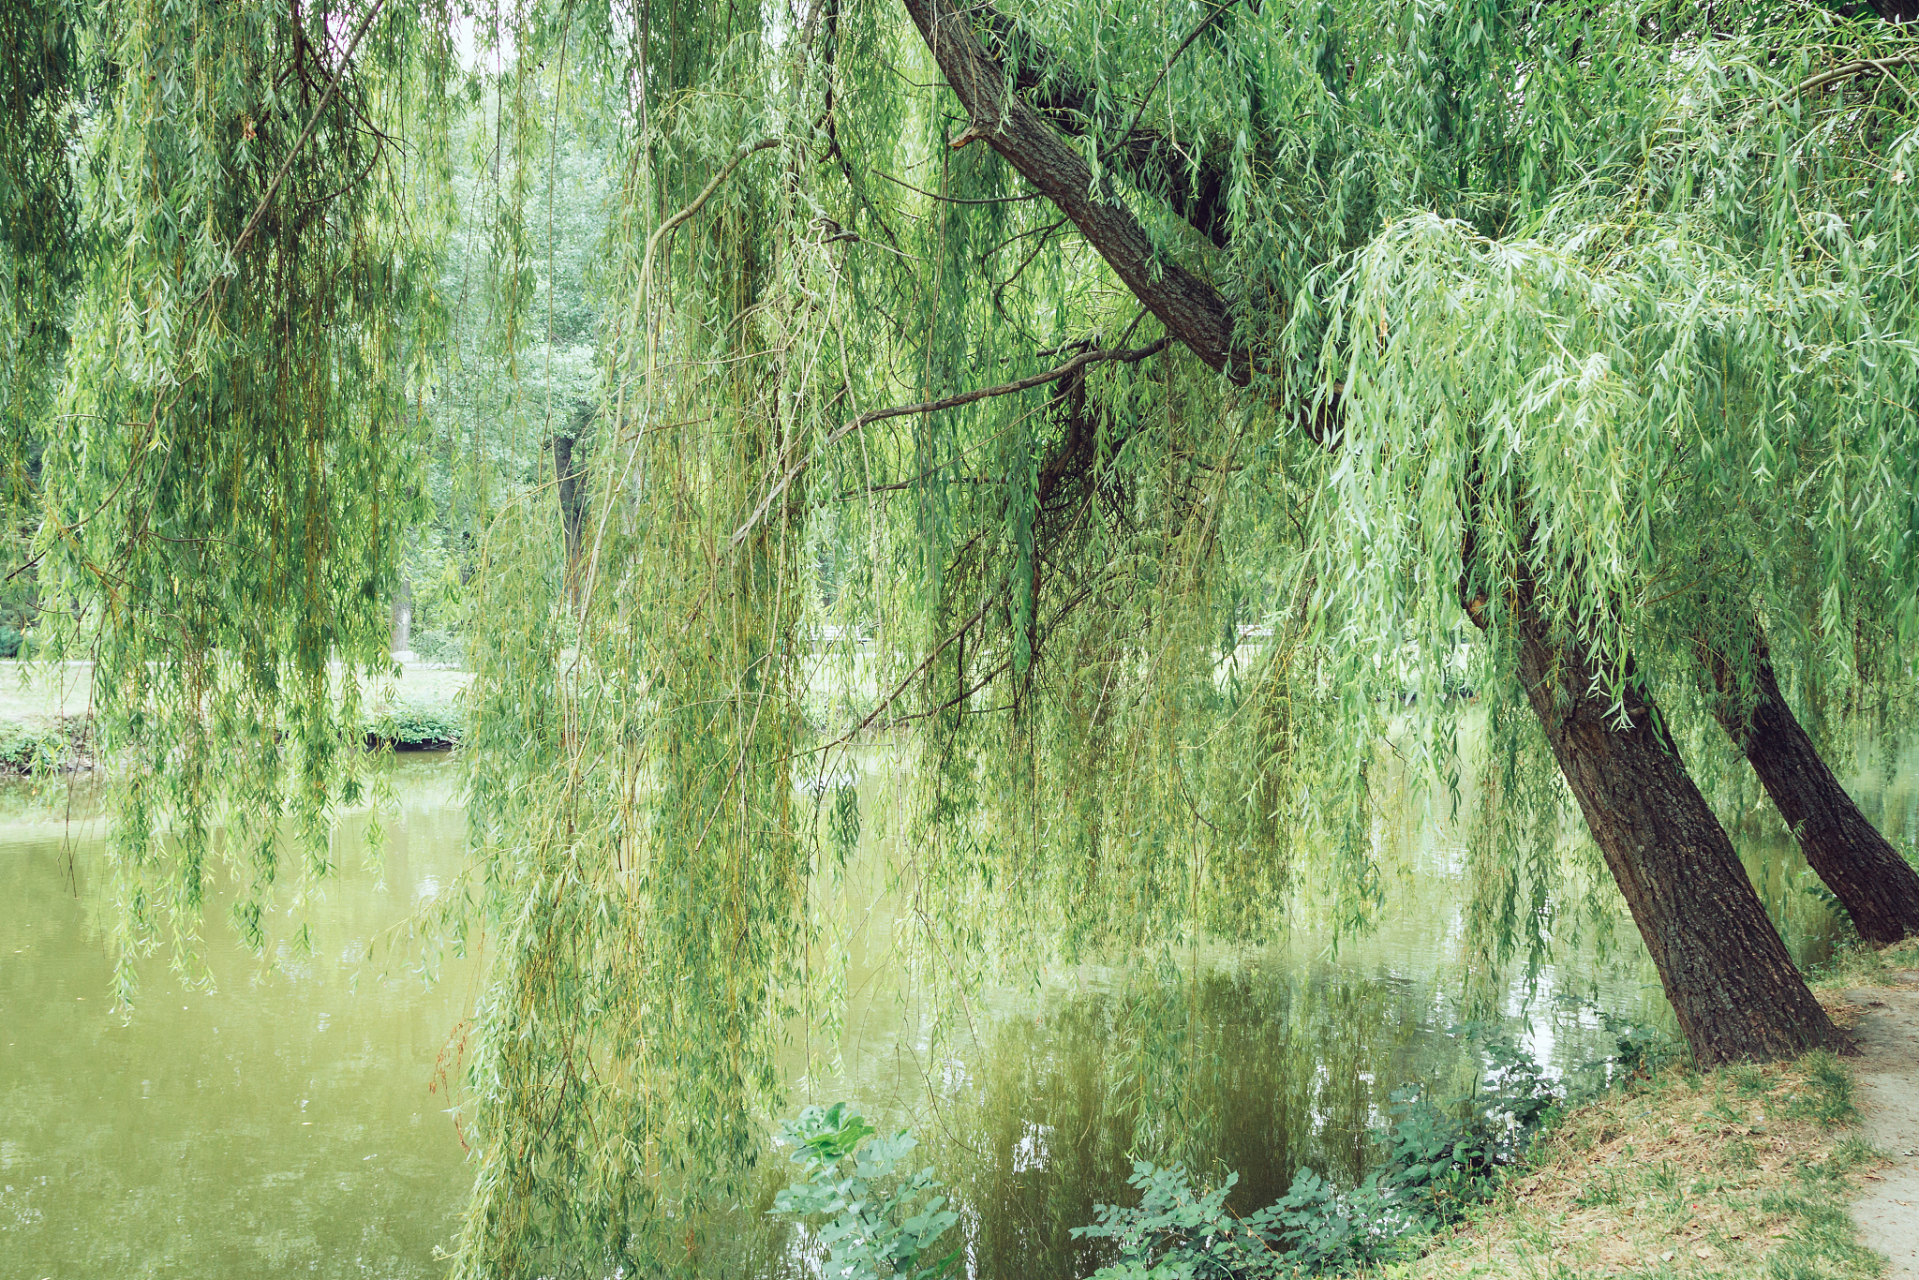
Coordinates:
[1435,1162]
[40,749]
[10,642]
[411,726]
[440,647]
[874,1220]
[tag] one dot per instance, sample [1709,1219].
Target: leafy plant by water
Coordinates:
[878,1220]
[44,749]
[413,726]
[1435,1161]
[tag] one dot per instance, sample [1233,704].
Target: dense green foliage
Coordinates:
[32,749]
[223,471]
[417,726]
[1434,1162]
[1613,302]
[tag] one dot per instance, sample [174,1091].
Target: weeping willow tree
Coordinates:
[222,471]
[1166,390]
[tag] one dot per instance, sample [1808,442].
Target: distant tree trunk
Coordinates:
[1876,886]
[570,468]
[1734,988]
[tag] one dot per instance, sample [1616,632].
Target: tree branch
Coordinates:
[1078,362]
[1193,187]
[1857,67]
[346,58]
[1191,309]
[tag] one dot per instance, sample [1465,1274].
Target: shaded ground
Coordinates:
[1886,1092]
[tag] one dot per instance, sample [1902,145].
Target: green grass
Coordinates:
[1727,1174]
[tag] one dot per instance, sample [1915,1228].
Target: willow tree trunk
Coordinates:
[1879,890]
[1732,985]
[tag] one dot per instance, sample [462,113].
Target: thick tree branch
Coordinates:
[1191,309]
[1858,67]
[1194,187]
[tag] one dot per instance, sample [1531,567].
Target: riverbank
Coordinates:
[1744,1171]
[46,725]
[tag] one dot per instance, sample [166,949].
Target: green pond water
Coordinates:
[294,1118]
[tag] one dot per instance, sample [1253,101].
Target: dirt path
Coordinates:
[1886,1089]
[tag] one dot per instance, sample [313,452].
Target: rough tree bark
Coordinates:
[1875,885]
[1191,309]
[1728,976]
[1723,966]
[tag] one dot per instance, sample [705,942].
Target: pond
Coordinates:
[294,1117]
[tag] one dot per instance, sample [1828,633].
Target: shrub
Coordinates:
[1178,1232]
[440,647]
[1435,1162]
[10,641]
[877,1222]
[411,726]
[41,749]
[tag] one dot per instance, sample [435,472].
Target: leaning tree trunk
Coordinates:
[1879,890]
[1732,985]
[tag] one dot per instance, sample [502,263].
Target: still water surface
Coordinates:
[293,1119]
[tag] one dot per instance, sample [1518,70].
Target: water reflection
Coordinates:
[281,1120]
[286,1120]
[1257,1066]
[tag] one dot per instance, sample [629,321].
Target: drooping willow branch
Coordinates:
[1857,67]
[643,291]
[642,296]
[934,195]
[1224,7]
[1078,362]
[339,75]
[699,202]
[215,285]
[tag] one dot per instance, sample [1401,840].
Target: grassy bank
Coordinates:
[46,725]
[1739,1172]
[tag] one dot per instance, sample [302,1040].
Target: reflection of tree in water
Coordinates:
[1254,1071]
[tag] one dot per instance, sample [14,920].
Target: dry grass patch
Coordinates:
[1740,1172]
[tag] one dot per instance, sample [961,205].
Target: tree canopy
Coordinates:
[1185,399]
